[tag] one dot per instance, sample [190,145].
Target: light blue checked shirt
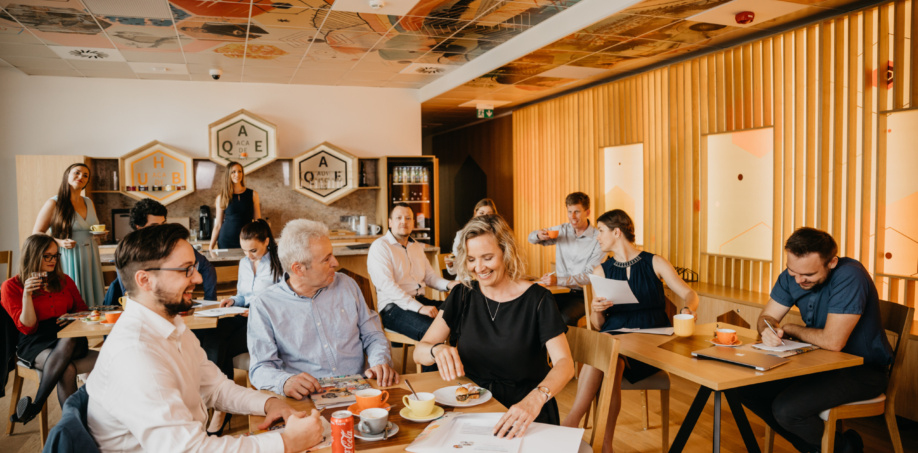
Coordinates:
[324,336]
[250,283]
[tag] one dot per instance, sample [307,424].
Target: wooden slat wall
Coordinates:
[813,85]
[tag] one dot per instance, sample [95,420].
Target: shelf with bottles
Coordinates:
[410,175]
[410,201]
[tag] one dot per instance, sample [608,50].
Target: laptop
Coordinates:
[736,356]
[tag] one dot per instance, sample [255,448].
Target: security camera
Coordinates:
[377,4]
[216,73]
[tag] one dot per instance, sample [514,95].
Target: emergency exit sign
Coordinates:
[486,113]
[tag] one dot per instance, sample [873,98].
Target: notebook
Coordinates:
[759,361]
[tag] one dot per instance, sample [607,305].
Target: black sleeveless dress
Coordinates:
[239,212]
[649,312]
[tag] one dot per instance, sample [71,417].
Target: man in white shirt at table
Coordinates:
[315,323]
[153,383]
[577,253]
[400,271]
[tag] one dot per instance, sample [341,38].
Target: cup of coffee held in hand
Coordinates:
[553,234]
[373,420]
[421,406]
[684,325]
[97,228]
[725,336]
[369,398]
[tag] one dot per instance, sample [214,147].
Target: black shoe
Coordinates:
[226,422]
[25,411]
[850,442]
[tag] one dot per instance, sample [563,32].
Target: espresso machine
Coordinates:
[205,223]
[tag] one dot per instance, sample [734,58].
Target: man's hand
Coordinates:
[301,385]
[226,302]
[448,362]
[549,279]
[428,310]
[302,431]
[275,410]
[543,234]
[384,374]
[770,339]
[451,285]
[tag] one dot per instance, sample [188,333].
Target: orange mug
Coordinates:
[725,336]
[370,398]
[112,316]
[553,234]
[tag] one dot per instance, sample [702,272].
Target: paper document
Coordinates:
[654,330]
[789,345]
[218,312]
[199,303]
[472,432]
[617,291]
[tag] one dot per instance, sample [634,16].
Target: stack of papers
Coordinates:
[789,348]
[218,312]
[471,432]
[652,330]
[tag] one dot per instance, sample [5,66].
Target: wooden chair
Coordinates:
[6,257]
[21,373]
[369,294]
[897,321]
[441,260]
[657,381]
[601,352]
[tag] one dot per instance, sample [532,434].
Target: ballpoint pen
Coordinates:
[773,331]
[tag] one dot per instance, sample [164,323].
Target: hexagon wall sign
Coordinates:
[157,171]
[325,173]
[244,138]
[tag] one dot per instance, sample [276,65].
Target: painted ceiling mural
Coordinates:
[313,42]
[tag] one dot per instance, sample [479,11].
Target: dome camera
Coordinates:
[216,73]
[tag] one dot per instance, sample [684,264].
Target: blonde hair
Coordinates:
[485,202]
[226,193]
[495,226]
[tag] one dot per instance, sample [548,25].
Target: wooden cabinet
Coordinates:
[37,179]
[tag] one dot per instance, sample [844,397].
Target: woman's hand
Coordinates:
[32,284]
[226,302]
[520,416]
[687,311]
[448,362]
[600,304]
[65,243]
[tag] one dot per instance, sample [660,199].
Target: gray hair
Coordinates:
[297,236]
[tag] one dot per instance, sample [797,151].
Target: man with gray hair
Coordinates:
[315,323]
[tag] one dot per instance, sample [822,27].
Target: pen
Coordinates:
[773,331]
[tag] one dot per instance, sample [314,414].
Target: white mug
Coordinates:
[375,229]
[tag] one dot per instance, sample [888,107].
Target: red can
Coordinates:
[342,428]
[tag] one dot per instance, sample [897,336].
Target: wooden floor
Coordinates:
[629,436]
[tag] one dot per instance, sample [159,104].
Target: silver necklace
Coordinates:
[488,304]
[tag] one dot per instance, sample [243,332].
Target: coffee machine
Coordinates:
[205,223]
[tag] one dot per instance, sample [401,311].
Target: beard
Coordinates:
[172,302]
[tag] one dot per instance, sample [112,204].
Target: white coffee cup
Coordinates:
[374,420]
[375,229]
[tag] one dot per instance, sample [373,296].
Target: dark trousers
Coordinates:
[571,306]
[224,342]
[792,406]
[409,323]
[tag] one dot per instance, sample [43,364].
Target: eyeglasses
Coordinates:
[189,271]
[56,256]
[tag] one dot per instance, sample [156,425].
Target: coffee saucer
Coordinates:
[356,411]
[717,343]
[105,321]
[393,429]
[98,233]
[435,414]
[88,321]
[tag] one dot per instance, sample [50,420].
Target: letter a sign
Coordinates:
[244,138]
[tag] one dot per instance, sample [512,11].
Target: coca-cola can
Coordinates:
[342,430]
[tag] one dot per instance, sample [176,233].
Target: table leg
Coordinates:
[716,447]
[701,399]
[742,422]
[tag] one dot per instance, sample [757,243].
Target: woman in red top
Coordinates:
[35,308]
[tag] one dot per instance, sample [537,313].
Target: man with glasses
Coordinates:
[315,323]
[152,384]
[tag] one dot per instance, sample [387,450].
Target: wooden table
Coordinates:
[84,329]
[407,430]
[673,355]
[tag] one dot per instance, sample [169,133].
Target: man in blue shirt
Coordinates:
[315,323]
[839,305]
[149,212]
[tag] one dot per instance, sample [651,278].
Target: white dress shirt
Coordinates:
[152,385]
[575,255]
[250,282]
[400,273]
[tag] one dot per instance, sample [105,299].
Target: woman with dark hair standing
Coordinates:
[70,216]
[35,303]
[236,207]
[643,271]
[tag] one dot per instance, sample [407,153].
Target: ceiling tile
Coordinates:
[52,72]
[99,65]
[40,51]
[163,77]
[148,9]
[152,56]
[627,25]
[37,63]
[677,9]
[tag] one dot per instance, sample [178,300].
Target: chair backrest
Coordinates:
[441,260]
[6,257]
[896,319]
[366,288]
[600,351]
[71,434]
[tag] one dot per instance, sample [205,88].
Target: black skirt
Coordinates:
[44,337]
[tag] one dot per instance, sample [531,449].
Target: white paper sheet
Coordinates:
[789,345]
[218,312]
[655,330]
[472,432]
[617,291]
[200,303]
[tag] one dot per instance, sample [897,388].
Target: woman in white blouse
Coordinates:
[259,269]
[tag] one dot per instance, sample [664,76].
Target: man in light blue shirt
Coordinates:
[314,324]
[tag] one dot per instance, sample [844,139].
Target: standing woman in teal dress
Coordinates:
[69,215]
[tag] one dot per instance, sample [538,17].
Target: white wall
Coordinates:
[111,117]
